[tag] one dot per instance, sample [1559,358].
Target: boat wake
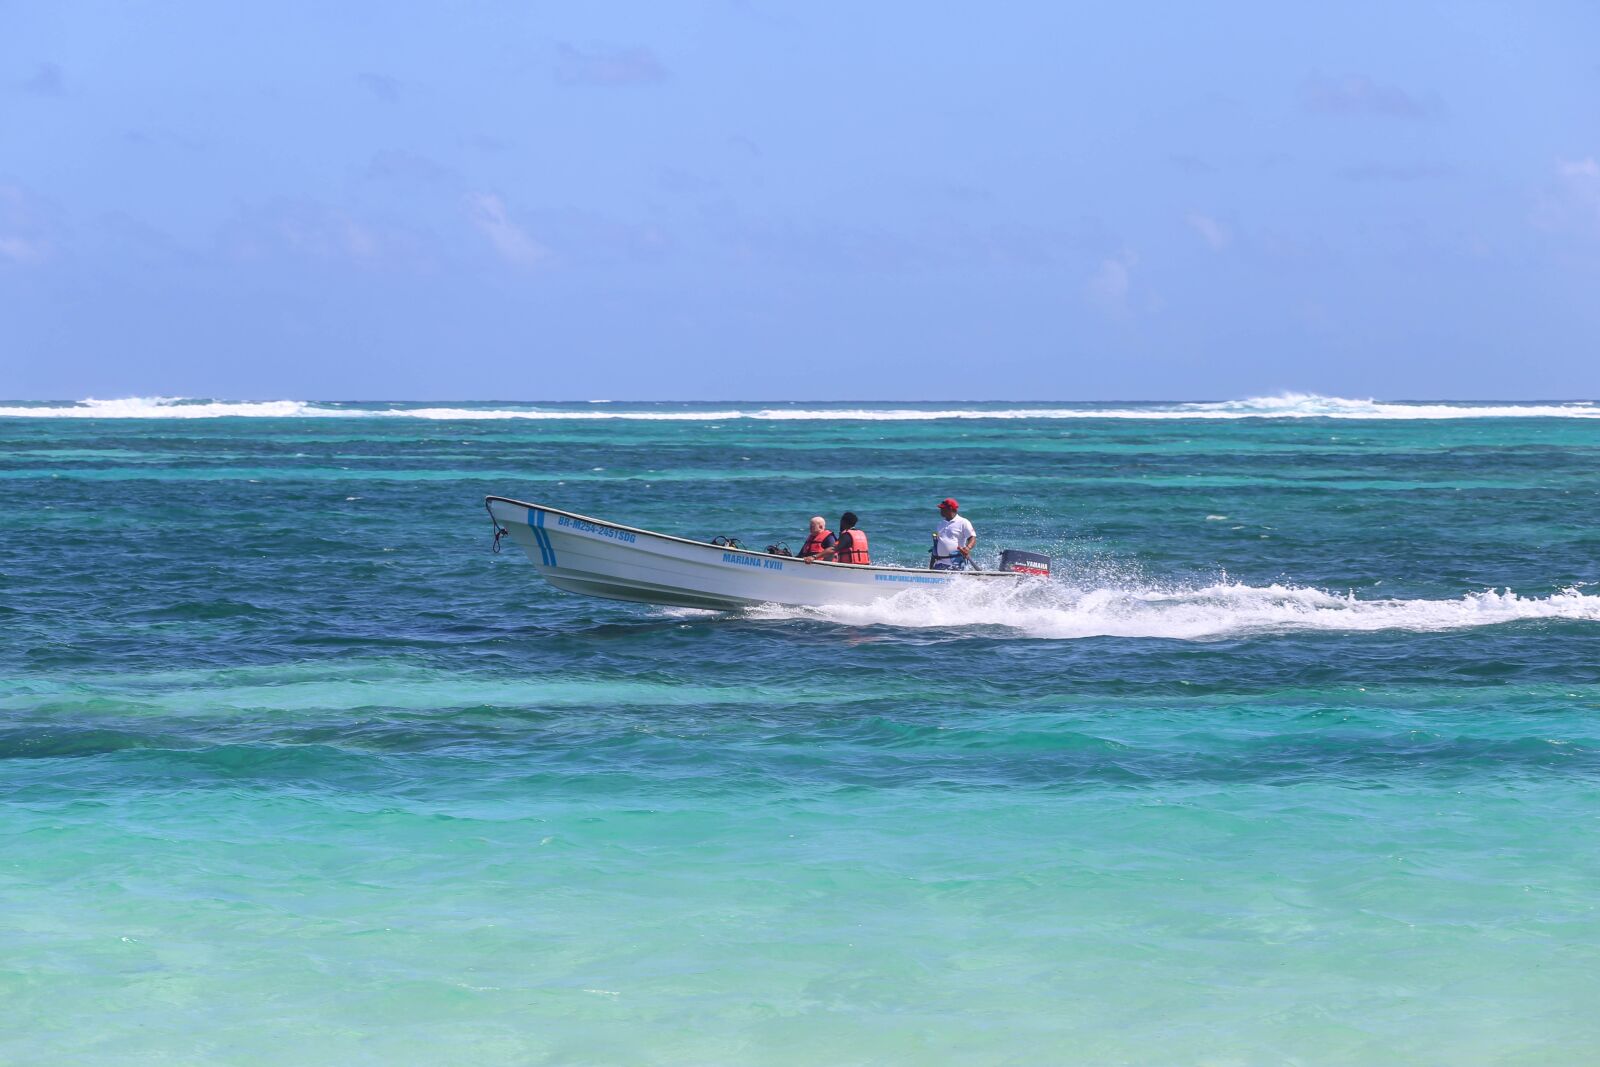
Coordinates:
[1060,610]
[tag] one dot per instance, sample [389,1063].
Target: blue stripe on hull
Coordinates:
[535,518]
[547,551]
[548,547]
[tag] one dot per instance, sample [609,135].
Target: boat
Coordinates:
[597,558]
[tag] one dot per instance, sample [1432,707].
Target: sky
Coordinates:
[741,200]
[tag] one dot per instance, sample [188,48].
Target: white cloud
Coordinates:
[1572,202]
[604,65]
[1111,282]
[1215,233]
[326,235]
[313,230]
[1579,168]
[22,250]
[488,215]
[1356,95]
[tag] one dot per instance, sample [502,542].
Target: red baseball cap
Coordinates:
[950,502]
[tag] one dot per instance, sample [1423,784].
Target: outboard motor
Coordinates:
[1014,559]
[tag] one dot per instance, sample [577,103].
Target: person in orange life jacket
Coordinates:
[851,547]
[953,540]
[819,539]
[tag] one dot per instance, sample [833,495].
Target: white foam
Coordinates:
[1058,610]
[1287,406]
[167,407]
[1311,406]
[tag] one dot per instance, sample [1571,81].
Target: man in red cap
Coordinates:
[953,540]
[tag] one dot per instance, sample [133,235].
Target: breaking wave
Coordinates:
[1287,406]
[1057,610]
[162,407]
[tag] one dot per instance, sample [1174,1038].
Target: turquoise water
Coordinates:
[1297,759]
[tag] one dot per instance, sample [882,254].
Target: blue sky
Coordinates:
[824,201]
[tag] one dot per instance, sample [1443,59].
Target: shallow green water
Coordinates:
[1276,770]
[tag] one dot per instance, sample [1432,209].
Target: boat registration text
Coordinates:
[752,561]
[594,528]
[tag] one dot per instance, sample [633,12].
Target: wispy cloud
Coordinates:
[166,138]
[953,240]
[402,165]
[604,65]
[306,229]
[1579,169]
[1012,245]
[484,142]
[21,250]
[1395,172]
[1210,230]
[1572,203]
[381,86]
[24,234]
[1111,283]
[812,244]
[46,80]
[583,238]
[1357,95]
[1189,163]
[487,213]
[687,183]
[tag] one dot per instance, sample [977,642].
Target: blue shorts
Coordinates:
[957,562]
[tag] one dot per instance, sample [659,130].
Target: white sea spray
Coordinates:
[1065,610]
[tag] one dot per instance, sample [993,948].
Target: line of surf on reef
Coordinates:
[1288,406]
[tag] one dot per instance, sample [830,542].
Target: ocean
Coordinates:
[1295,760]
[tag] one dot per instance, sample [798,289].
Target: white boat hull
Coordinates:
[601,559]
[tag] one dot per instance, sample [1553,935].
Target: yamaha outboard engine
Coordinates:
[1014,559]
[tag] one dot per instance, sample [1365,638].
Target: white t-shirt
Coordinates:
[952,534]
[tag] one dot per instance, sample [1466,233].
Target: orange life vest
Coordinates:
[813,545]
[853,550]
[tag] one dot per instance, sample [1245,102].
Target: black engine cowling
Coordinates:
[1014,559]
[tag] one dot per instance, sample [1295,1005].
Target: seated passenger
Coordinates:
[819,539]
[851,546]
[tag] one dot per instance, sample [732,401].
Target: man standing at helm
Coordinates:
[953,540]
